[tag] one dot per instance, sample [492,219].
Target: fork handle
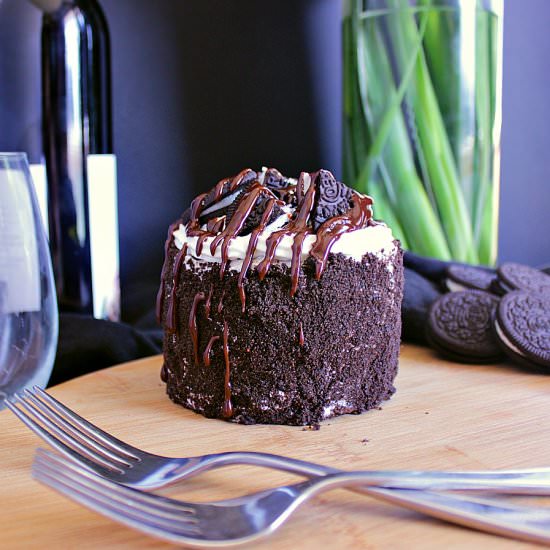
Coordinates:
[518,482]
[520,522]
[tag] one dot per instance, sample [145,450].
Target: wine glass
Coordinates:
[28,306]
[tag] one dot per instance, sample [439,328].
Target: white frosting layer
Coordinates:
[453,286]
[506,340]
[376,239]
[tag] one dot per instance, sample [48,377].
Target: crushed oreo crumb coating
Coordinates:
[351,321]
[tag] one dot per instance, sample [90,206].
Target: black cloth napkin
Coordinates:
[87,344]
[424,283]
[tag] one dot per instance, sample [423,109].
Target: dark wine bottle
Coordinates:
[76,107]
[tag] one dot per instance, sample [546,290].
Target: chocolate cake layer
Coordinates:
[329,349]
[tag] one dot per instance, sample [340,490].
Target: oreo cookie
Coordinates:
[522,327]
[333,198]
[460,326]
[255,217]
[498,289]
[227,202]
[186,216]
[215,208]
[464,277]
[513,276]
[274,180]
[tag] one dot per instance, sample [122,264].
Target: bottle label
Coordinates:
[19,266]
[103,216]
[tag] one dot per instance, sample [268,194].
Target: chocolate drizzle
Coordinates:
[213,226]
[220,303]
[199,297]
[227,186]
[331,230]
[301,339]
[236,223]
[200,242]
[208,350]
[299,228]
[227,411]
[208,303]
[197,205]
[171,324]
[252,243]
[223,188]
[162,288]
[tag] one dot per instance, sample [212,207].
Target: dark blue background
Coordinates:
[204,88]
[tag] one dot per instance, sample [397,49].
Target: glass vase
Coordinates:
[422,119]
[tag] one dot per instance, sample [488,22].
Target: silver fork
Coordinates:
[249,518]
[113,459]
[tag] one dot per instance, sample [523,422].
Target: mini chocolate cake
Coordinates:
[280,301]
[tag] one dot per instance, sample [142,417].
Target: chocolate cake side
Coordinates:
[330,349]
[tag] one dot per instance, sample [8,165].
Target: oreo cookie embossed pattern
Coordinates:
[514,276]
[308,290]
[460,325]
[511,316]
[461,277]
[523,327]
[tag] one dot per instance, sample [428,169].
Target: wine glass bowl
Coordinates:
[28,305]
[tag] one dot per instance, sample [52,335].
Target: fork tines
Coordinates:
[149,513]
[69,433]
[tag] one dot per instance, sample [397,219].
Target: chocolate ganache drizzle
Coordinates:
[246,204]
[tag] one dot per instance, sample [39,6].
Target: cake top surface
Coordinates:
[255,219]
[239,203]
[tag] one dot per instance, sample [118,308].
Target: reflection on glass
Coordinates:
[28,307]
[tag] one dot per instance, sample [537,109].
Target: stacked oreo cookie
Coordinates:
[491,314]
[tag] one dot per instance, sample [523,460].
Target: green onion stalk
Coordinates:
[422,144]
[387,162]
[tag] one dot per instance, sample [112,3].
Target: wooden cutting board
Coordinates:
[443,416]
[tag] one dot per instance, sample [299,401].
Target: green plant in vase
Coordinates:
[418,135]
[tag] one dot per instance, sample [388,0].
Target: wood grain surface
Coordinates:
[443,416]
